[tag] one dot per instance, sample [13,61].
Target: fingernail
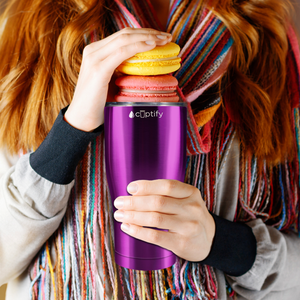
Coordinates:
[119,202]
[132,188]
[125,226]
[165,33]
[118,215]
[162,37]
[150,42]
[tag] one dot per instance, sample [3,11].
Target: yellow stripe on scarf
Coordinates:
[203,116]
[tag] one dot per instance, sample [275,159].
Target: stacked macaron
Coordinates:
[160,88]
[146,82]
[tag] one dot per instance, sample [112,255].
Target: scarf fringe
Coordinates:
[67,266]
[87,228]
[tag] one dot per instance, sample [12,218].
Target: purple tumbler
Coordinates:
[143,141]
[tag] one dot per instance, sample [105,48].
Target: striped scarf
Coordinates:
[72,261]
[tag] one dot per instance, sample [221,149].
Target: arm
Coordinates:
[34,195]
[277,265]
[258,260]
[275,268]
[6,160]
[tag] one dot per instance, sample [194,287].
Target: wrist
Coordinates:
[233,249]
[210,230]
[57,157]
[83,121]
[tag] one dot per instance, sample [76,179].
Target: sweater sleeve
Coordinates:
[32,200]
[276,269]
[259,261]
[233,250]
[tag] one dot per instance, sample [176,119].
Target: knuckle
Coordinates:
[194,205]
[86,51]
[169,186]
[145,187]
[154,32]
[124,37]
[201,213]
[130,202]
[156,219]
[130,215]
[126,30]
[137,231]
[149,37]
[137,47]
[159,202]
[154,236]
[198,193]
[198,209]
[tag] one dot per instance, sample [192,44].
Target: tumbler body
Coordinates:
[143,141]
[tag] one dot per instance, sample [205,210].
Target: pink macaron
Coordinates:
[134,88]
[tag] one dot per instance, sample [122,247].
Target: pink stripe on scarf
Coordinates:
[295,45]
[181,275]
[132,18]
[205,23]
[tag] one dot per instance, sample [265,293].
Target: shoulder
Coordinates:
[7,160]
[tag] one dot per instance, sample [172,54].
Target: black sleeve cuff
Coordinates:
[59,154]
[233,249]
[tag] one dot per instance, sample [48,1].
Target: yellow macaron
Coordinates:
[160,60]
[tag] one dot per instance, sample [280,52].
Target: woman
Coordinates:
[232,223]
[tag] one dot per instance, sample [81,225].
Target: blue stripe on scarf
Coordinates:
[199,46]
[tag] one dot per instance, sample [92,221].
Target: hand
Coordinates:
[99,61]
[172,205]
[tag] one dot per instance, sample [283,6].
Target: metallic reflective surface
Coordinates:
[145,104]
[143,142]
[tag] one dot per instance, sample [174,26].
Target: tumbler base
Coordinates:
[145,264]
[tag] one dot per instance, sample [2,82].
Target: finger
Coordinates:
[107,67]
[118,56]
[156,203]
[150,219]
[126,39]
[166,187]
[129,30]
[126,31]
[158,237]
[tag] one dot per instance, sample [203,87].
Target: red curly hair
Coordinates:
[41,51]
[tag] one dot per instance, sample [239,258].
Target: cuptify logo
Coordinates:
[145,114]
